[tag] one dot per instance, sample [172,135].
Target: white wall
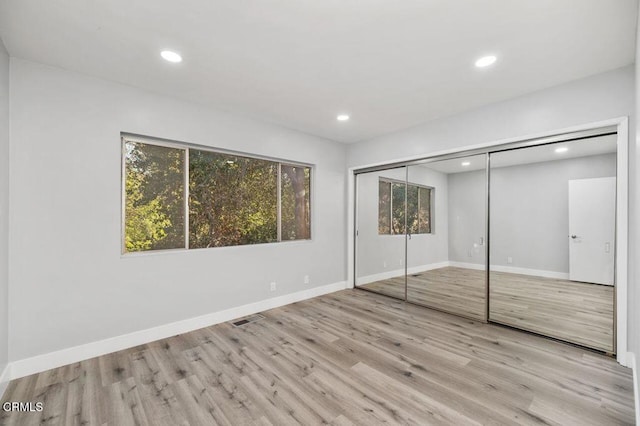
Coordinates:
[4,206]
[592,99]
[385,254]
[467,216]
[529,211]
[69,284]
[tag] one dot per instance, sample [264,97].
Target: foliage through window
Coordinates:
[392,211]
[154,188]
[230,199]
[295,181]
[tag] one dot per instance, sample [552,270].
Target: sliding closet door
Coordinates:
[552,210]
[380,232]
[446,236]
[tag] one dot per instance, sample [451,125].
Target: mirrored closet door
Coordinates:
[380,227]
[552,231]
[446,241]
[546,263]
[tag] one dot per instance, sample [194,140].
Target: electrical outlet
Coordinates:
[384,264]
[509,259]
[469,253]
[306,279]
[273,286]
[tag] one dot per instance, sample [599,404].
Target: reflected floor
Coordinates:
[458,290]
[577,312]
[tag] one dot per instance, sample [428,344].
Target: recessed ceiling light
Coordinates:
[562,149]
[485,61]
[466,163]
[342,117]
[171,56]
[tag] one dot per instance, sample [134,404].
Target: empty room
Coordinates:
[319,212]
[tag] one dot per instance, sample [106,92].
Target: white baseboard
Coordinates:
[5,378]
[399,272]
[62,357]
[515,270]
[478,266]
[631,360]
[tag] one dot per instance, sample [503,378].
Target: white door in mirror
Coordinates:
[592,210]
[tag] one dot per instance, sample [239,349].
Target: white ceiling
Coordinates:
[389,64]
[538,154]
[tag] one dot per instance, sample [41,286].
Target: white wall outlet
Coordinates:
[469,253]
[509,259]
[384,264]
[273,286]
[306,279]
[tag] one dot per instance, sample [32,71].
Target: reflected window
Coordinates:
[392,214]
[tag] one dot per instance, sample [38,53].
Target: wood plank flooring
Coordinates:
[346,358]
[451,289]
[577,312]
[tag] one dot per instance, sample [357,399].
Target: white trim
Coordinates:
[622,212]
[622,239]
[514,270]
[530,272]
[351,227]
[588,126]
[476,266]
[5,378]
[367,279]
[67,356]
[631,358]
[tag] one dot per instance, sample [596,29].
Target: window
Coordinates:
[178,197]
[154,202]
[232,200]
[391,208]
[295,215]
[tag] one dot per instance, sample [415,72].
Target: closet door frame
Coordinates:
[619,126]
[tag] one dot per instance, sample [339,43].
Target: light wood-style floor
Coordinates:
[451,289]
[576,312]
[350,357]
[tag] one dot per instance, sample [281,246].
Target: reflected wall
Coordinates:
[534,282]
[380,224]
[456,281]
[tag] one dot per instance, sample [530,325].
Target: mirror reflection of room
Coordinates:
[380,250]
[446,268]
[421,234]
[553,239]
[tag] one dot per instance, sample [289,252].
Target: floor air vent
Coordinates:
[246,320]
